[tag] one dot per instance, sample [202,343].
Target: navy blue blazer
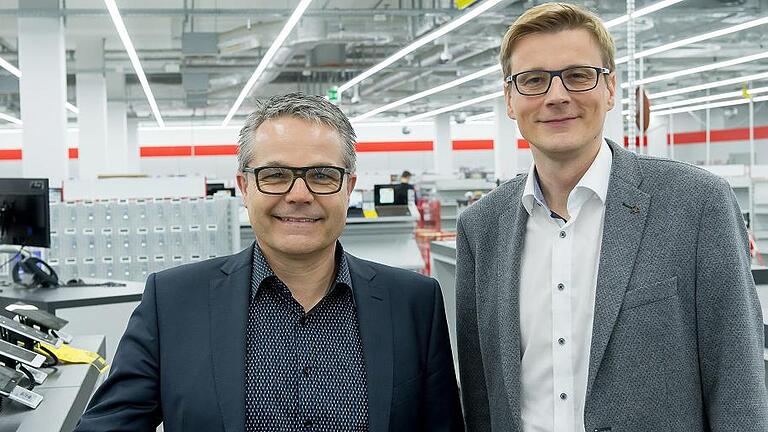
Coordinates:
[182,358]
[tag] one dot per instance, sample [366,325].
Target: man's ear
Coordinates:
[610,81]
[242,184]
[508,101]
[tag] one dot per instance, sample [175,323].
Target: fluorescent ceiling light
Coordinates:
[418,43]
[8,118]
[278,42]
[700,69]
[695,39]
[699,87]
[72,108]
[705,86]
[455,106]
[121,30]
[390,124]
[483,116]
[433,90]
[640,12]
[710,98]
[740,101]
[10,68]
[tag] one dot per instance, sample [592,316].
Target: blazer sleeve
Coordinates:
[442,405]
[129,399]
[471,370]
[729,320]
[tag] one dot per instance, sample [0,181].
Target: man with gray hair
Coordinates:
[292,333]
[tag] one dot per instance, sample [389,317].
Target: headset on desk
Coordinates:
[32,272]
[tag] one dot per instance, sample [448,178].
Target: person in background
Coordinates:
[403,188]
[292,333]
[604,290]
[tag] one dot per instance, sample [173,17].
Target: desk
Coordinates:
[87,309]
[66,393]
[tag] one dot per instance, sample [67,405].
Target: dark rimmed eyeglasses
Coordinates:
[574,79]
[277,180]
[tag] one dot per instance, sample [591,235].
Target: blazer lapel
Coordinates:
[228,301]
[625,216]
[375,322]
[506,299]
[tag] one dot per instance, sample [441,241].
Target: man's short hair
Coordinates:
[406,174]
[303,106]
[553,18]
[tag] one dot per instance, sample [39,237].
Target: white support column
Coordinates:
[657,136]
[443,150]
[92,103]
[132,159]
[504,142]
[43,89]
[117,123]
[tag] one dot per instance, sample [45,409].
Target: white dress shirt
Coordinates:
[558,280]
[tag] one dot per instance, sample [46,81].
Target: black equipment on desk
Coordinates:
[16,332]
[25,212]
[33,272]
[389,201]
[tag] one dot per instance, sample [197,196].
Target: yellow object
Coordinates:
[370,214]
[68,354]
[745,92]
[461,4]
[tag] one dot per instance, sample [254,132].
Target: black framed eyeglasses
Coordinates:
[574,79]
[277,180]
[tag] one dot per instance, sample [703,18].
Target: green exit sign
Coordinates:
[333,95]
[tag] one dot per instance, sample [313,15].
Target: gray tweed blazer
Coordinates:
[677,342]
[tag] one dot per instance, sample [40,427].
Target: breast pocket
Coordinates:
[648,294]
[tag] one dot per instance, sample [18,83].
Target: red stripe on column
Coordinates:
[393,146]
[479,144]
[523,144]
[12,154]
[215,150]
[74,153]
[166,151]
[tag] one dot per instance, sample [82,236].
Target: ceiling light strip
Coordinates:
[126,39]
[699,87]
[429,92]
[454,107]
[276,44]
[704,106]
[640,12]
[72,108]
[710,98]
[10,68]
[695,39]
[11,119]
[700,69]
[418,43]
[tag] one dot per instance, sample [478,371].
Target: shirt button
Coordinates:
[307,423]
[562,234]
[307,370]
[560,287]
[561,341]
[303,320]
[563,396]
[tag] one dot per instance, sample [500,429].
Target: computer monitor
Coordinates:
[25,212]
[384,195]
[213,188]
[356,199]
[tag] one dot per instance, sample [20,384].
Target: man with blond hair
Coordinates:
[604,290]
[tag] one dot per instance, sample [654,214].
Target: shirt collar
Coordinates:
[262,270]
[595,180]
